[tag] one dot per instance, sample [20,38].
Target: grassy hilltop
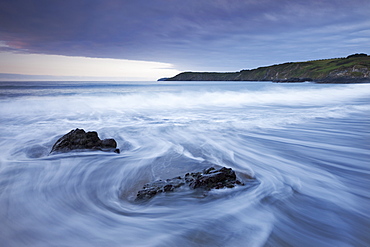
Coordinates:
[352,69]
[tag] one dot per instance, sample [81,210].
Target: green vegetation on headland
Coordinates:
[352,69]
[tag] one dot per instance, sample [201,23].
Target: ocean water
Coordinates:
[308,146]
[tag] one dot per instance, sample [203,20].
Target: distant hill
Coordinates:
[352,69]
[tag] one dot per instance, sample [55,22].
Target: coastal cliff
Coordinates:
[352,69]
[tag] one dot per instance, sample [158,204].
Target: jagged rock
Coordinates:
[293,79]
[159,186]
[206,180]
[78,139]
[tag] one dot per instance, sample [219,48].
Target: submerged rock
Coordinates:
[78,139]
[206,180]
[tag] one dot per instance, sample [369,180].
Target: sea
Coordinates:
[307,145]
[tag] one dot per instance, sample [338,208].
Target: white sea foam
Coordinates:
[197,105]
[189,99]
[306,144]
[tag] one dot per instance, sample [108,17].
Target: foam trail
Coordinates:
[307,145]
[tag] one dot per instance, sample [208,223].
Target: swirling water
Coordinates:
[306,144]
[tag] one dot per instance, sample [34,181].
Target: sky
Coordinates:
[150,39]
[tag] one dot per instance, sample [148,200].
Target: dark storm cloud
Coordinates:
[204,33]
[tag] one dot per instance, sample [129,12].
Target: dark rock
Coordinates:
[159,186]
[206,180]
[343,80]
[78,139]
[292,79]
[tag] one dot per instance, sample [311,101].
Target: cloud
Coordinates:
[192,34]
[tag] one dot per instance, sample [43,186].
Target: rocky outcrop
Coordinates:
[78,139]
[292,80]
[206,180]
